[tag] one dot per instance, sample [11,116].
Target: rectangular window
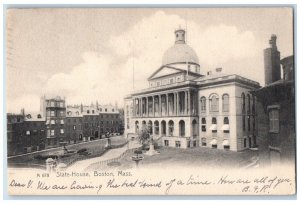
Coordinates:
[225,105]
[203,128]
[203,104]
[62,113]
[274,120]
[27,132]
[52,113]
[166,143]
[62,122]
[61,104]
[62,131]
[245,143]
[52,103]
[178,144]
[74,127]
[51,132]
[52,122]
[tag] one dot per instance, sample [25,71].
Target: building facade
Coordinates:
[57,124]
[15,133]
[25,133]
[55,112]
[276,104]
[183,108]
[74,122]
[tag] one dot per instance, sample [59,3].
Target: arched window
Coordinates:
[248,103]
[243,111]
[171,127]
[150,127]
[39,116]
[194,128]
[143,124]
[181,128]
[253,105]
[203,104]
[243,103]
[214,103]
[225,102]
[136,126]
[156,127]
[163,127]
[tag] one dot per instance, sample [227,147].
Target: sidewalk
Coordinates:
[110,154]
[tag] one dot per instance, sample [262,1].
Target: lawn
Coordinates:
[95,147]
[195,157]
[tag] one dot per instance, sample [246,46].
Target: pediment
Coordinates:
[165,71]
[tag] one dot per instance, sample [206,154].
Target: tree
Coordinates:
[144,135]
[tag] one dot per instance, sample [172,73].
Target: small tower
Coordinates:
[272,62]
[179,36]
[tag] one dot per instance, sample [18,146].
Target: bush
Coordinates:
[82,150]
[38,157]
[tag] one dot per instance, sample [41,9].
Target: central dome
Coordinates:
[180,52]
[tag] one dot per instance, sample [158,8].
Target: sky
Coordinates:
[86,55]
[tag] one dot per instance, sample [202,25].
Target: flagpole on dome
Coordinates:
[132,44]
[186,54]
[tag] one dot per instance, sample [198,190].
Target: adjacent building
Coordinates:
[57,124]
[15,133]
[183,108]
[55,112]
[25,133]
[276,104]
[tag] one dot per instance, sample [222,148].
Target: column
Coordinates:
[185,103]
[153,106]
[177,104]
[167,100]
[140,105]
[174,104]
[147,108]
[159,105]
[133,102]
[188,102]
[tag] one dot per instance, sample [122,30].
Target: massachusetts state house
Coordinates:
[183,108]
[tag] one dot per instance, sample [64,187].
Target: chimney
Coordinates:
[272,62]
[219,69]
[23,112]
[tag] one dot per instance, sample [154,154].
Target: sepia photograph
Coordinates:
[150,101]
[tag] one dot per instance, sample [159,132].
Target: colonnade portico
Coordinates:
[178,103]
[179,127]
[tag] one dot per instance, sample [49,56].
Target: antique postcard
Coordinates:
[150,101]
